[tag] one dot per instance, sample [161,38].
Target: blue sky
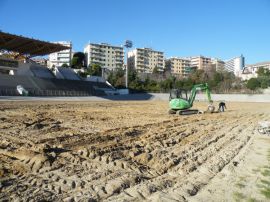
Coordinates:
[217,28]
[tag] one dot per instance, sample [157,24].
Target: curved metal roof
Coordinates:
[28,46]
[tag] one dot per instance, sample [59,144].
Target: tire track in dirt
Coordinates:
[170,159]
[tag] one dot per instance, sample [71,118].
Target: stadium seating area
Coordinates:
[35,70]
[51,86]
[41,72]
[66,73]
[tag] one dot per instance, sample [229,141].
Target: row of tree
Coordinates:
[262,81]
[220,82]
[163,82]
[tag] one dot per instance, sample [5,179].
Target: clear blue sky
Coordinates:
[217,28]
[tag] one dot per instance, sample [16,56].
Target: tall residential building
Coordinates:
[217,64]
[201,62]
[63,57]
[179,66]
[235,65]
[104,54]
[146,60]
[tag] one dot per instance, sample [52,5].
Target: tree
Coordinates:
[253,84]
[116,77]
[75,63]
[155,70]
[64,65]
[198,76]
[78,60]
[95,69]
[263,72]
[83,74]
[81,57]
[132,75]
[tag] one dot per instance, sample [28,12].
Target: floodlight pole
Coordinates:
[128,44]
[127,68]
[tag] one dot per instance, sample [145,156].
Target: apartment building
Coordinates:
[250,71]
[108,56]
[217,64]
[235,65]
[201,62]
[146,60]
[63,57]
[40,61]
[255,67]
[179,66]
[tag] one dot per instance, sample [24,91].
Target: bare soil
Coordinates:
[128,151]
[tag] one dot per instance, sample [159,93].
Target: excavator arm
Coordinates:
[195,89]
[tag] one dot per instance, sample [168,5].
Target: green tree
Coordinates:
[64,65]
[155,70]
[83,74]
[77,61]
[132,75]
[95,69]
[253,84]
[116,77]
[198,76]
[264,82]
[263,72]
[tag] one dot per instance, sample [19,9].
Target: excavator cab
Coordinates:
[180,103]
[178,93]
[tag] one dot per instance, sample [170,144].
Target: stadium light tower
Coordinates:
[128,44]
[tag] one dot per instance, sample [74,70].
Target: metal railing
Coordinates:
[52,93]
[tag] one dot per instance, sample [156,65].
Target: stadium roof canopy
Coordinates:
[28,46]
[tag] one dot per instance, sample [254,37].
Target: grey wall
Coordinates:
[219,97]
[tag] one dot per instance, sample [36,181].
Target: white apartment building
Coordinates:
[179,66]
[200,62]
[106,55]
[235,65]
[63,57]
[253,68]
[146,59]
[250,71]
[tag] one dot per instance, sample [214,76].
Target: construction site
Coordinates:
[132,151]
[68,138]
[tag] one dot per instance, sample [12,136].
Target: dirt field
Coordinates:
[132,151]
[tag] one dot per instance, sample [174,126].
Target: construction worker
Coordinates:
[211,107]
[221,106]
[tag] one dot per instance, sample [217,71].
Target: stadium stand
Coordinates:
[36,79]
[51,87]
[66,73]
[41,72]
[27,69]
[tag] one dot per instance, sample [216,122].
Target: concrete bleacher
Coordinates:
[102,85]
[40,81]
[41,72]
[47,87]
[66,73]
[28,69]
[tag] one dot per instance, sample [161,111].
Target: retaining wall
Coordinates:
[219,97]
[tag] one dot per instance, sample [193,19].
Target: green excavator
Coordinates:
[181,104]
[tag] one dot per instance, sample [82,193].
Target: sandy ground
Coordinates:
[132,151]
